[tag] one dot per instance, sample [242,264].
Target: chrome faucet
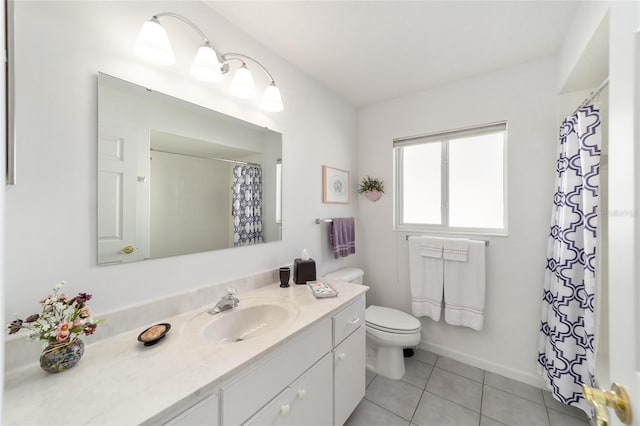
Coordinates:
[228,301]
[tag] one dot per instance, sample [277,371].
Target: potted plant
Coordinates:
[373,188]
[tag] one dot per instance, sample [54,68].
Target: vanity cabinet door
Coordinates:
[349,359]
[245,394]
[204,413]
[306,402]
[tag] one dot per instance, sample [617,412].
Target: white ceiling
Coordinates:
[368,51]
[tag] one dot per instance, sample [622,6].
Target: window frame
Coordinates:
[444,138]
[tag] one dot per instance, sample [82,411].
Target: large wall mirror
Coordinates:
[176,178]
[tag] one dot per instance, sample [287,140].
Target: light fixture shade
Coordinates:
[271,100]
[153,44]
[206,66]
[242,84]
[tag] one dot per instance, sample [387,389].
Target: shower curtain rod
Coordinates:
[593,94]
[244,163]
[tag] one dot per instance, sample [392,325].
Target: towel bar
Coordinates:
[406,237]
[319,221]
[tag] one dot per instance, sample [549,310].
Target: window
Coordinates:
[279,191]
[452,181]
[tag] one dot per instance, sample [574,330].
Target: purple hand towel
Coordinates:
[342,236]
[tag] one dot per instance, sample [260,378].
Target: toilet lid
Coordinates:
[391,320]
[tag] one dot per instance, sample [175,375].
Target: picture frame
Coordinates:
[335,185]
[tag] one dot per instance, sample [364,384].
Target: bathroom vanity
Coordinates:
[308,369]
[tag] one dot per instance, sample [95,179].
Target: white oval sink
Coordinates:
[252,318]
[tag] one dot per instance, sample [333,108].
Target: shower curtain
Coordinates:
[566,354]
[247,205]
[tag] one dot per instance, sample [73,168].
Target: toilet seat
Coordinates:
[391,320]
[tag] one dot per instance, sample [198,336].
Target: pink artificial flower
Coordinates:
[64,326]
[61,335]
[77,322]
[63,331]
[84,312]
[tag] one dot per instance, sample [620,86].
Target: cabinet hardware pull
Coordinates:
[355,320]
[285,409]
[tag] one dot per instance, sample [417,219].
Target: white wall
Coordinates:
[51,214]
[525,97]
[580,57]
[190,205]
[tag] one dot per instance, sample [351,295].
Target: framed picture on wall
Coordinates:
[335,185]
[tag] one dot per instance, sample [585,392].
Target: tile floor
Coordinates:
[438,391]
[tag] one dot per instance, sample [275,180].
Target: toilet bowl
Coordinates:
[388,331]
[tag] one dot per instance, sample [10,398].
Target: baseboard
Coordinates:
[528,378]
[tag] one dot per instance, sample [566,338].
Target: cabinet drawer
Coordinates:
[203,413]
[251,390]
[307,402]
[349,360]
[347,320]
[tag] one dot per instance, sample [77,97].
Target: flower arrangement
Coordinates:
[62,319]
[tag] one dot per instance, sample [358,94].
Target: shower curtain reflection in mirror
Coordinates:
[247,205]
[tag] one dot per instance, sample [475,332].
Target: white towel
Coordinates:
[455,249]
[426,276]
[464,288]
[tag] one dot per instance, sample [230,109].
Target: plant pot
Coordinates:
[373,195]
[58,357]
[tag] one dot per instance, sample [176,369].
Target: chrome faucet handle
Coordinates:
[226,302]
[231,295]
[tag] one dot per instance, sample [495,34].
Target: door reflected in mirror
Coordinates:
[176,178]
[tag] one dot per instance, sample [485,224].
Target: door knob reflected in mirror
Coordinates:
[616,398]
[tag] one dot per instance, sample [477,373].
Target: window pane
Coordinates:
[476,181]
[278,192]
[421,179]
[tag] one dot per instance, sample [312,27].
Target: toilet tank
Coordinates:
[351,275]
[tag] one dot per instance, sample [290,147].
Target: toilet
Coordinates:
[388,331]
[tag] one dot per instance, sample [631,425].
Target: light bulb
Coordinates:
[242,84]
[153,44]
[206,66]
[271,100]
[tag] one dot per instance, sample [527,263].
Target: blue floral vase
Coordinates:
[58,357]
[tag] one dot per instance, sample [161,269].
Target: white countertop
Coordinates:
[119,381]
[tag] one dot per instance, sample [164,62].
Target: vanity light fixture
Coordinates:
[242,84]
[209,66]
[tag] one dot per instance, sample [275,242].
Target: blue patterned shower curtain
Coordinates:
[247,205]
[566,350]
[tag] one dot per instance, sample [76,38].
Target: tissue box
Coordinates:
[304,270]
